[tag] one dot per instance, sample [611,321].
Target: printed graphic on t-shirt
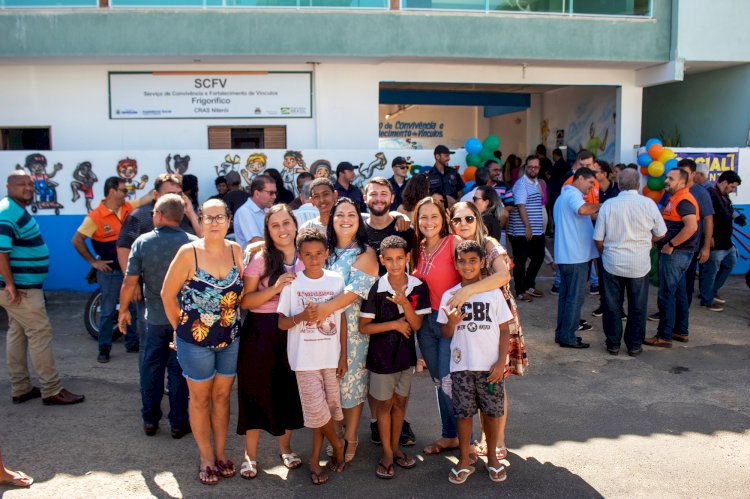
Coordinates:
[326,326]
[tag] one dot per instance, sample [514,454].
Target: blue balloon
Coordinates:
[473,146]
[469,185]
[651,142]
[671,164]
[644,160]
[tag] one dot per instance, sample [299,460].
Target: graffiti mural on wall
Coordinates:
[84,179]
[595,121]
[138,169]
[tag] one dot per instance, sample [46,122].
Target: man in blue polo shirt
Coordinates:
[574,249]
[24,262]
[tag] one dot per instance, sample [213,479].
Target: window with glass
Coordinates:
[640,8]
[28,4]
[341,4]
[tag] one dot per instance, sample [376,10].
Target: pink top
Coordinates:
[255,268]
[439,270]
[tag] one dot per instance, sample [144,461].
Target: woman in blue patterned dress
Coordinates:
[350,256]
[207,276]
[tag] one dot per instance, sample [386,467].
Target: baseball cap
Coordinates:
[398,160]
[233,178]
[702,167]
[441,149]
[343,166]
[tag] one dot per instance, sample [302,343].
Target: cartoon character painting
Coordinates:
[254,166]
[366,172]
[293,165]
[321,168]
[127,169]
[177,164]
[84,179]
[594,143]
[229,164]
[45,190]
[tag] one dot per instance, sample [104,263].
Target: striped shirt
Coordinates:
[626,224]
[21,238]
[527,193]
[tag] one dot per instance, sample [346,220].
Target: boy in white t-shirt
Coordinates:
[316,347]
[480,337]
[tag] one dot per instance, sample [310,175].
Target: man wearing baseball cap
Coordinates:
[344,186]
[443,177]
[398,180]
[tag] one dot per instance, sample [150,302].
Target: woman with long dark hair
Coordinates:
[350,256]
[283,195]
[489,205]
[417,187]
[267,387]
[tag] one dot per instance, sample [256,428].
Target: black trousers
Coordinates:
[524,250]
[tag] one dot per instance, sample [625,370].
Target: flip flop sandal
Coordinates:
[318,478]
[389,473]
[473,459]
[497,475]
[455,477]
[291,461]
[205,474]
[249,469]
[502,452]
[19,479]
[435,448]
[405,462]
[226,468]
[336,466]
[481,449]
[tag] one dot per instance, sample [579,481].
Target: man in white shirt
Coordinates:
[248,221]
[625,229]
[307,211]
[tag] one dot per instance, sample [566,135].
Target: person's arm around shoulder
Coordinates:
[180,270]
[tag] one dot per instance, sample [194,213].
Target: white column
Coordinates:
[629,111]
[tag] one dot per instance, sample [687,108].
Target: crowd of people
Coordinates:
[345,292]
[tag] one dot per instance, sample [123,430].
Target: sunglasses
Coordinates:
[399,166]
[478,199]
[469,219]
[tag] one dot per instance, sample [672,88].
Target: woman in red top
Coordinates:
[433,262]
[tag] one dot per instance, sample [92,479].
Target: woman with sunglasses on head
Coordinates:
[433,262]
[206,274]
[465,217]
[266,385]
[350,256]
[489,205]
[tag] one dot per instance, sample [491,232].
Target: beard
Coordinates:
[379,212]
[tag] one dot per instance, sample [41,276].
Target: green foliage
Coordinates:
[671,141]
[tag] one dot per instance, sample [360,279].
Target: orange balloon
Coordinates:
[644,170]
[655,196]
[469,173]
[655,151]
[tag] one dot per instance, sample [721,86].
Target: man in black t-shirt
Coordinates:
[381,223]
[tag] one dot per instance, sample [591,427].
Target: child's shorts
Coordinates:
[383,386]
[471,391]
[320,397]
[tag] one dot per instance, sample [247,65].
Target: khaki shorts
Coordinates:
[383,386]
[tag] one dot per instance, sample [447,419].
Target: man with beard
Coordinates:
[526,231]
[380,224]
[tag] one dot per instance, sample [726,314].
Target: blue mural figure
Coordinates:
[45,190]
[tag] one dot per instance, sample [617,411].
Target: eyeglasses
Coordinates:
[124,190]
[468,219]
[272,193]
[399,166]
[218,219]
[478,199]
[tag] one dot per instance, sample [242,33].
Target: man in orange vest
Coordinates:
[103,226]
[681,241]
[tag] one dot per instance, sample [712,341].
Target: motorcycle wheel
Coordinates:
[91,316]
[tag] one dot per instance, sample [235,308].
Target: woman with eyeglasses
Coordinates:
[433,262]
[266,385]
[207,276]
[491,208]
[497,265]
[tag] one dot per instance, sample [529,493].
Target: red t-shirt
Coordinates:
[438,270]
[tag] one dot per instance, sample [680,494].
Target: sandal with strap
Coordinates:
[291,461]
[208,475]
[19,479]
[318,478]
[249,469]
[350,449]
[225,468]
[387,474]
[406,462]
[459,477]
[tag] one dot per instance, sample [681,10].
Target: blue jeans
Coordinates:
[573,278]
[714,273]
[593,279]
[674,309]
[158,357]
[614,288]
[436,352]
[110,283]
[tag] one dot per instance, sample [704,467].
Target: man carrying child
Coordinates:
[392,313]
[479,336]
